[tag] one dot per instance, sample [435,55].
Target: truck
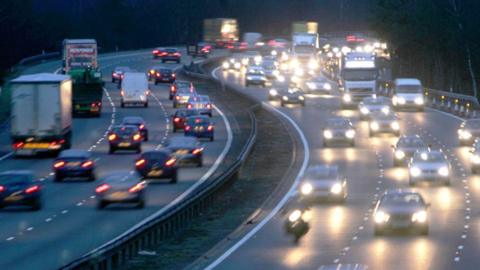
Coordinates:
[305,27]
[252,38]
[220,31]
[358,78]
[80,61]
[41,113]
[304,50]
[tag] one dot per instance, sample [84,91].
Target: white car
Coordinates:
[429,166]
[408,93]
[406,147]
[372,105]
[324,183]
[383,123]
[339,130]
[318,85]
[255,76]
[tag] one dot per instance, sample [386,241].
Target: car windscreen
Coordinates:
[13,179]
[375,101]
[411,142]
[158,156]
[124,130]
[359,74]
[429,157]
[338,123]
[401,199]
[414,89]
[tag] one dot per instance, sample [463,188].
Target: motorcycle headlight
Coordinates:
[381,217]
[395,125]
[327,134]
[327,86]
[419,101]
[347,98]
[273,92]
[399,154]
[443,171]
[336,188]
[420,216]
[364,110]
[306,189]
[415,171]
[374,126]
[295,215]
[350,133]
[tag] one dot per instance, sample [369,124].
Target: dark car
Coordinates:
[204,49]
[157,164]
[406,147]
[182,96]
[178,119]
[292,96]
[125,138]
[122,187]
[138,122]
[201,103]
[161,74]
[118,73]
[74,163]
[475,156]
[20,188]
[186,150]
[180,84]
[200,126]
[167,54]
[468,131]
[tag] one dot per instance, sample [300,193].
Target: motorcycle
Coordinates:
[297,224]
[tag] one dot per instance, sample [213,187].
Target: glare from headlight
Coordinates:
[273,92]
[237,65]
[381,217]
[364,110]
[312,64]
[306,189]
[249,78]
[347,98]
[225,65]
[443,171]
[285,98]
[466,135]
[419,100]
[415,171]
[295,215]
[276,73]
[420,216]
[301,98]
[274,53]
[299,72]
[401,100]
[280,78]
[399,154]
[311,85]
[350,133]
[336,188]
[395,125]
[327,134]
[386,110]
[374,126]
[327,86]
[245,61]
[257,58]
[475,159]
[294,63]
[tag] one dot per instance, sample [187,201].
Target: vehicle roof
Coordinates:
[41,78]
[407,81]
[74,153]
[135,119]
[163,151]
[381,115]
[323,171]
[127,126]
[401,191]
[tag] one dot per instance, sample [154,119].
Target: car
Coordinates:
[255,76]
[74,163]
[237,46]
[401,209]
[292,95]
[475,157]
[201,103]
[180,116]
[167,54]
[124,137]
[199,126]
[318,85]
[157,164]
[408,93]
[162,75]
[138,122]
[374,104]
[19,188]
[270,68]
[204,49]
[468,131]
[383,123]
[406,147]
[121,187]
[187,150]
[233,63]
[273,94]
[180,84]
[429,166]
[118,72]
[323,182]
[252,58]
[182,96]
[338,130]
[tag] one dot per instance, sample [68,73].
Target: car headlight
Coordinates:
[299,72]
[225,65]
[399,154]
[276,73]
[327,134]
[401,100]
[273,92]
[257,58]
[327,86]
[420,216]
[280,78]
[285,98]
[381,217]
[350,133]
[364,110]
[301,98]
[245,61]
[336,188]
[419,101]
[237,65]
[312,64]
[306,189]
[311,85]
[249,78]
[295,215]
[395,125]
[274,53]
[443,171]
[415,171]
[294,63]
[374,126]
[475,159]
[347,98]
[386,110]
[465,135]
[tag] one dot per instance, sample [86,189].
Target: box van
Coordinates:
[134,89]
[408,93]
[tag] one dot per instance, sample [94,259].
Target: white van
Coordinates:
[134,89]
[408,93]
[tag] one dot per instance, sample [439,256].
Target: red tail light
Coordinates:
[155,51]
[137,137]
[87,164]
[93,105]
[158,74]
[53,143]
[209,106]
[173,75]
[189,106]
[197,151]
[187,128]
[177,97]
[32,189]
[99,104]
[142,126]
[170,162]
[2,188]
[122,93]
[112,137]
[176,54]
[18,145]
[136,188]
[140,163]
[210,128]
[176,119]
[172,88]
[102,188]
[59,164]
[163,54]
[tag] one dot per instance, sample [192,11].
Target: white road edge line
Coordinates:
[447,114]
[6,156]
[285,198]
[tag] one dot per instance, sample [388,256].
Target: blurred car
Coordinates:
[370,105]
[383,123]
[237,46]
[252,58]
[255,76]
[324,182]
[180,116]
[182,96]
[318,85]
[138,122]
[468,131]
[157,164]
[274,94]
[232,64]
[338,130]
[406,147]
[124,137]
[475,156]
[401,210]
[167,54]
[408,93]
[200,126]
[117,73]
[74,163]
[200,103]
[204,49]
[186,150]
[121,187]
[180,84]
[429,166]
[270,68]
[162,75]
[20,188]
[292,95]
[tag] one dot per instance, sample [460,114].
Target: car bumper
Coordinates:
[199,134]
[125,145]
[19,199]
[73,172]
[121,197]
[158,173]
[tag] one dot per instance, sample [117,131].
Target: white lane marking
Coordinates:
[57,70]
[447,114]
[282,202]
[6,156]
[214,73]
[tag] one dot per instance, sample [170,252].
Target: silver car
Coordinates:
[401,210]
[406,147]
[201,103]
[255,76]
[318,85]
[122,187]
[383,123]
[292,95]
[431,166]
[372,105]
[468,131]
[339,130]
[181,98]
[324,182]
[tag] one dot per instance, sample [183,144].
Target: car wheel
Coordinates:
[282,104]
[352,144]
[447,182]
[111,150]
[113,80]
[140,204]
[174,129]
[303,103]
[174,178]
[371,134]
[145,138]
[325,144]
[156,82]
[101,204]
[210,114]
[57,178]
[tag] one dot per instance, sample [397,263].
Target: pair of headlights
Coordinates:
[329,135]
[307,188]
[375,126]
[383,217]
[416,172]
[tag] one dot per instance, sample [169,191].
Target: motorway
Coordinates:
[69,225]
[343,234]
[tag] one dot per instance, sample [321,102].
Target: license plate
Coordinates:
[124,144]
[181,152]
[36,145]
[199,129]
[73,164]
[14,198]
[119,195]
[155,173]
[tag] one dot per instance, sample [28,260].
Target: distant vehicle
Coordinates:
[134,89]
[220,31]
[180,84]
[270,68]
[125,138]
[305,27]
[298,223]
[406,147]
[138,122]
[475,157]
[157,164]
[186,150]
[20,188]
[252,58]
[74,163]
[401,210]
[159,74]
[324,183]
[383,123]
[430,166]
[255,76]
[41,113]
[204,49]
[232,64]
[317,85]
[180,116]
[251,39]
[201,103]
[468,131]
[237,46]
[121,188]
[167,54]
[408,93]
[200,127]
[339,130]
[292,96]
[118,73]
[182,96]
[371,105]
[358,78]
